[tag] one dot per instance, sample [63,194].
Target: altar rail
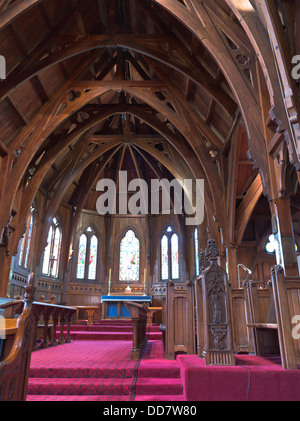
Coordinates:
[46,319]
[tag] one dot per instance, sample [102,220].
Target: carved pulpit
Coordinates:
[217,324]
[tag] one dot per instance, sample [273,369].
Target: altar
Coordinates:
[113,305]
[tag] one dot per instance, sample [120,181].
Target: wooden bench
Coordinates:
[14,369]
[284,304]
[139,323]
[151,312]
[261,318]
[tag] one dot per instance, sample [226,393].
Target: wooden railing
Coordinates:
[46,319]
[139,322]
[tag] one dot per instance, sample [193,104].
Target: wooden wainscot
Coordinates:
[14,369]
[217,323]
[139,323]
[180,319]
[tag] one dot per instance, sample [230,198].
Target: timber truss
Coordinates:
[168,82]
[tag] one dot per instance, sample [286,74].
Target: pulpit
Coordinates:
[113,306]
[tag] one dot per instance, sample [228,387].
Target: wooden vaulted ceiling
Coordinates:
[153,79]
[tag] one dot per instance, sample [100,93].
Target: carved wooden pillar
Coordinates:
[68,321]
[61,337]
[53,341]
[232,266]
[280,208]
[218,332]
[46,317]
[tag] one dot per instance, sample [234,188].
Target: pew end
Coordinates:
[14,369]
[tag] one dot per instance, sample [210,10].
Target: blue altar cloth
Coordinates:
[142,298]
[114,306]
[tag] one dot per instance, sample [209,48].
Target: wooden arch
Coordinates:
[90,90]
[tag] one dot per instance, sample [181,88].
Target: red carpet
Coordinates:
[108,330]
[252,379]
[101,370]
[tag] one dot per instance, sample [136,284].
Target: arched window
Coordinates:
[164,258]
[87,255]
[26,242]
[129,269]
[52,250]
[93,257]
[169,249]
[196,248]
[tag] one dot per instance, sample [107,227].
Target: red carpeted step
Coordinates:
[159,398]
[158,386]
[100,386]
[79,386]
[104,336]
[74,398]
[103,371]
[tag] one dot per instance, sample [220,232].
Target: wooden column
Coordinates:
[282,211]
[232,266]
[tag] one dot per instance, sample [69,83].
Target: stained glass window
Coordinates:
[129,257]
[46,261]
[93,257]
[21,251]
[169,249]
[164,258]
[81,256]
[52,250]
[175,257]
[25,243]
[56,252]
[87,255]
[196,242]
[28,240]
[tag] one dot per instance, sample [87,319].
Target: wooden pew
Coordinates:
[286,293]
[14,370]
[284,304]
[261,318]
[151,312]
[179,319]
[139,322]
